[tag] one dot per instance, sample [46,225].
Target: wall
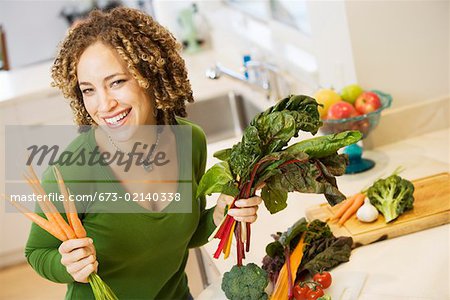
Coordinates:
[401,47]
[33,30]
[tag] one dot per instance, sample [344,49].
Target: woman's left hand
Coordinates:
[245,210]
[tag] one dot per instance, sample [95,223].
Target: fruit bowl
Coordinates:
[365,124]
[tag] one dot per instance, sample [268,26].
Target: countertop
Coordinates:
[414,266]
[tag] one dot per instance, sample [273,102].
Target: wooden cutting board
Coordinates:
[431,208]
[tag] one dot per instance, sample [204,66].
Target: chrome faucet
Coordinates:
[264,76]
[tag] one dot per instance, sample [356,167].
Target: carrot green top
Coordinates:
[141,255]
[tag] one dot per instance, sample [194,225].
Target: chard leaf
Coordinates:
[326,254]
[323,146]
[293,232]
[335,163]
[278,124]
[274,199]
[302,104]
[230,189]
[310,177]
[275,249]
[274,160]
[275,130]
[245,153]
[214,180]
[223,154]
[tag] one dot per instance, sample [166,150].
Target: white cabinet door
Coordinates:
[44,109]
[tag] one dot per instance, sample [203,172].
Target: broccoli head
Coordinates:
[392,196]
[245,283]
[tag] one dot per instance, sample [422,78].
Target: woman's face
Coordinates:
[111,95]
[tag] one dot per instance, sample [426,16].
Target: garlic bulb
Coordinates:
[367,212]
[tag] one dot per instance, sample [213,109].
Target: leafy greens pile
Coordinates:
[261,158]
[322,250]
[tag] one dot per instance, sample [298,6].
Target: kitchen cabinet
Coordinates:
[39,109]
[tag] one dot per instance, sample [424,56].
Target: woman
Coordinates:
[122,71]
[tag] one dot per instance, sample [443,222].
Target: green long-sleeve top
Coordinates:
[141,255]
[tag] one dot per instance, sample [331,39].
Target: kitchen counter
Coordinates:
[415,266]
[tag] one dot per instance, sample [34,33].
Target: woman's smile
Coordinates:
[117,119]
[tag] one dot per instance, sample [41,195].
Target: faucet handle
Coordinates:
[213,72]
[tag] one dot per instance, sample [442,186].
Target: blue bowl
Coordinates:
[364,123]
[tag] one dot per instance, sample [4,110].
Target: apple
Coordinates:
[326,97]
[341,110]
[367,102]
[351,92]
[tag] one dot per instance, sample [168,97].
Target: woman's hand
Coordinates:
[245,210]
[79,258]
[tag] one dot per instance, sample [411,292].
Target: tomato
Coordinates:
[314,294]
[301,292]
[324,278]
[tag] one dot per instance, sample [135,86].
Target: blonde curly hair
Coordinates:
[149,50]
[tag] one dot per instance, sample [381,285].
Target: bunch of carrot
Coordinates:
[348,208]
[58,227]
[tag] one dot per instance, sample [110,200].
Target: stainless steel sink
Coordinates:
[222,117]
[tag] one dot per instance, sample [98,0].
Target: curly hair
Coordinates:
[149,50]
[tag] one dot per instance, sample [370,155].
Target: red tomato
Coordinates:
[301,292]
[324,278]
[314,294]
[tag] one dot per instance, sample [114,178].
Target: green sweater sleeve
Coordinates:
[41,249]
[206,224]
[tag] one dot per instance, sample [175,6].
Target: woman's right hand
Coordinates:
[79,258]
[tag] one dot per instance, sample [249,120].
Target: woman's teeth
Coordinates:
[116,119]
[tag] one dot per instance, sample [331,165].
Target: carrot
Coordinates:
[344,207]
[55,227]
[357,203]
[77,226]
[42,204]
[57,218]
[281,290]
[47,209]
[40,221]
[69,206]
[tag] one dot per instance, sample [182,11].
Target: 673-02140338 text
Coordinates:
[100,196]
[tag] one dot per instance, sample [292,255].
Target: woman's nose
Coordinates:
[107,103]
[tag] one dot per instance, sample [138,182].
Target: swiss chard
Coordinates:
[322,250]
[262,158]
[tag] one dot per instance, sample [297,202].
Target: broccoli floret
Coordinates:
[245,283]
[392,196]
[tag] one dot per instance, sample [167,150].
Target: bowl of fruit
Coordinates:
[353,109]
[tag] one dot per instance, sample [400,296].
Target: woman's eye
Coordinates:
[87,91]
[117,82]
